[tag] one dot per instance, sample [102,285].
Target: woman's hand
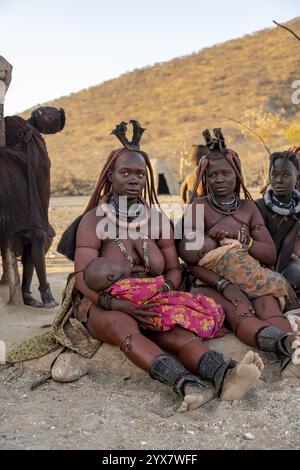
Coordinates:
[218,232]
[235,296]
[139,314]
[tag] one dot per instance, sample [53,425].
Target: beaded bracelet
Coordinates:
[170,283]
[250,243]
[222,284]
[167,286]
[245,240]
[104,301]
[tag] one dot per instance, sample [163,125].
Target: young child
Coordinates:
[233,262]
[196,313]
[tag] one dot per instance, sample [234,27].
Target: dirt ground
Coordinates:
[116,406]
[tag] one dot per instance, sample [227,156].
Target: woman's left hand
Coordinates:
[140,314]
[234,295]
[218,232]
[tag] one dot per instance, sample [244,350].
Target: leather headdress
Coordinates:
[217,142]
[120,132]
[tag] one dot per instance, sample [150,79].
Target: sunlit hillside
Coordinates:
[176,100]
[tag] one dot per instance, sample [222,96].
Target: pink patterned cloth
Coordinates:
[196,313]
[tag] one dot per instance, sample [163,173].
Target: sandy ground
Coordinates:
[116,406]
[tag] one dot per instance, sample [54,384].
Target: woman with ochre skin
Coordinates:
[280,209]
[258,322]
[127,172]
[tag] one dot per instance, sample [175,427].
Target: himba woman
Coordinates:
[280,209]
[128,173]
[296,151]
[234,226]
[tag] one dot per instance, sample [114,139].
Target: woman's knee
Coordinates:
[267,306]
[172,341]
[111,326]
[121,324]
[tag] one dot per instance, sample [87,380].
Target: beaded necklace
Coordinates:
[226,208]
[283,208]
[129,258]
[130,220]
[135,211]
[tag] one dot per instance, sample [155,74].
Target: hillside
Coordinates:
[176,100]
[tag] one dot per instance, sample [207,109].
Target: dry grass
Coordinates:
[176,100]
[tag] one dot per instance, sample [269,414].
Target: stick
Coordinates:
[43,379]
[2,125]
[242,124]
[250,130]
[13,276]
[288,29]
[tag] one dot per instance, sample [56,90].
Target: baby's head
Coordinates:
[102,273]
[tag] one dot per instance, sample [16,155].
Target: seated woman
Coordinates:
[280,209]
[255,318]
[140,248]
[193,313]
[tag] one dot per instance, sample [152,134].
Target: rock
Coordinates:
[5,71]
[249,436]
[42,364]
[69,367]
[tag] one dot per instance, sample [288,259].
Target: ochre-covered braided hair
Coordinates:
[295,149]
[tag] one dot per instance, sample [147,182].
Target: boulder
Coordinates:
[69,367]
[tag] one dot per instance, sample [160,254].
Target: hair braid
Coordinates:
[295,149]
[200,177]
[234,160]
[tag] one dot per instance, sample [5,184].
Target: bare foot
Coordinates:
[48,299]
[31,301]
[195,395]
[243,377]
[293,368]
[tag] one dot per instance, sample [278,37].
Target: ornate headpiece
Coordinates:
[120,132]
[217,142]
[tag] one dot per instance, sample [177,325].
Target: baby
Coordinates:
[237,266]
[196,313]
